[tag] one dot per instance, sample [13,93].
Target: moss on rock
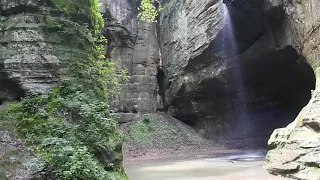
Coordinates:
[67,127]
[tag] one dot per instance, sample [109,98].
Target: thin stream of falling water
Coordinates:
[230,45]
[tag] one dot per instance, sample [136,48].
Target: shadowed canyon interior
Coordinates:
[253,89]
[240,81]
[236,72]
[262,85]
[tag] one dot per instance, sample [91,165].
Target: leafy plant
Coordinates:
[70,130]
[148,11]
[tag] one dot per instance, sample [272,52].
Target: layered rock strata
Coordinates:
[133,46]
[229,66]
[34,51]
[294,150]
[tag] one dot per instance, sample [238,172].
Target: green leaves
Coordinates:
[148,12]
[70,129]
[89,8]
[74,162]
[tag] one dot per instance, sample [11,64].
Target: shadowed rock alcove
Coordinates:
[248,82]
[268,92]
[9,89]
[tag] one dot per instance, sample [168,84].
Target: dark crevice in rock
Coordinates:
[9,89]
[295,159]
[19,10]
[313,125]
[312,164]
[277,172]
[161,87]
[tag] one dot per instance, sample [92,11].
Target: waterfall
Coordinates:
[243,126]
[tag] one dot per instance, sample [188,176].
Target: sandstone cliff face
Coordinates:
[187,28]
[243,69]
[133,45]
[295,149]
[33,53]
[229,67]
[237,70]
[27,63]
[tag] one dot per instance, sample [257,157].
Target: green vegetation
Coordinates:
[70,130]
[152,131]
[141,133]
[148,11]
[88,8]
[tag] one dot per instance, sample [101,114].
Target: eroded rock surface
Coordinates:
[295,149]
[27,61]
[229,66]
[132,45]
[243,69]
[33,53]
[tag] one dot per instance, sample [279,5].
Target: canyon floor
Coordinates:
[201,164]
[159,147]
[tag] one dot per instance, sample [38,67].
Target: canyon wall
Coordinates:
[227,68]
[244,69]
[133,46]
[27,61]
[31,55]
[295,149]
[41,45]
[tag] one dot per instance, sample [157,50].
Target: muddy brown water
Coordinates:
[236,167]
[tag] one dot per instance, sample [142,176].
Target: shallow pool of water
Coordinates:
[236,167]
